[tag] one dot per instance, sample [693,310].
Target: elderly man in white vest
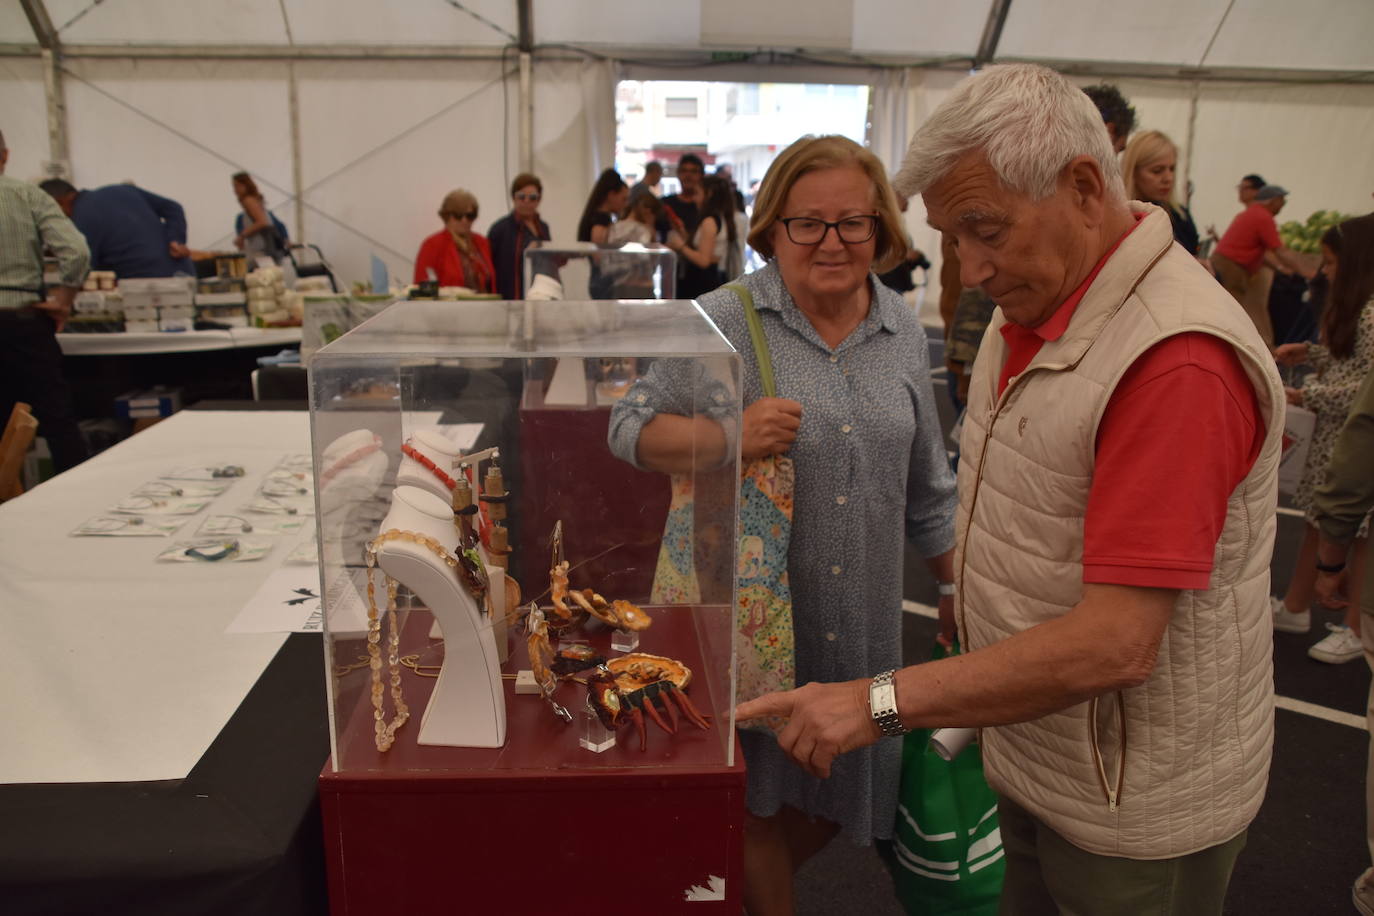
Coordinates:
[1116,518]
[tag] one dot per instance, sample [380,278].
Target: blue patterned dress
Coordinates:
[871,467]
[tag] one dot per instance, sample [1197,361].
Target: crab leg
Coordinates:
[691,712]
[672,716]
[658,719]
[638,718]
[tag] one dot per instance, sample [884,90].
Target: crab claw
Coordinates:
[638,718]
[658,719]
[691,712]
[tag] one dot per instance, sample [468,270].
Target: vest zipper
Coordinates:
[1113,793]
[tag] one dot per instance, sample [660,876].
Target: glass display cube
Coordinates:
[461,457]
[582,270]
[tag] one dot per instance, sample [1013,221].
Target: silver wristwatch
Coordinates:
[882,704]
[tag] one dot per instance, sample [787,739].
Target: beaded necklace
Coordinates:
[411,452]
[385,732]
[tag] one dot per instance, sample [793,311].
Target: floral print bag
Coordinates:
[763,598]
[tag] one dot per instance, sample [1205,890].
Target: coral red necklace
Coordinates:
[411,452]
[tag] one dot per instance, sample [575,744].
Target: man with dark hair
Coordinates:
[653,174]
[129,230]
[30,313]
[687,202]
[1116,112]
[1247,189]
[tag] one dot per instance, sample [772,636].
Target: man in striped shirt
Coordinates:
[31,313]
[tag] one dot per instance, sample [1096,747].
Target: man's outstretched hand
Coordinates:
[824,721]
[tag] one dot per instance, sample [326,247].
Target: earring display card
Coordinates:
[159,505]
[306,553]
[205,472]
[162,488]
[270,505]
[126,526]
[233,524]
[211,550]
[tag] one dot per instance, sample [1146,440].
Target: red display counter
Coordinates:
[539,825]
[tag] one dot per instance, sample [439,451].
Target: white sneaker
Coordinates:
[1285,621]
[1341,645]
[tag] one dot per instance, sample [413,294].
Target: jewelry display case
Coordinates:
[494,649]
[583,270]
[501,410]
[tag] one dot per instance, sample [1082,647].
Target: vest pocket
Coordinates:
[1111,788]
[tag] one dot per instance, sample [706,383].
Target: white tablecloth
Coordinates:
[118,668]
[175,341]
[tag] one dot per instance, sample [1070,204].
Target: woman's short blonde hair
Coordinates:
[1146,148]
[459,200]
[811,154]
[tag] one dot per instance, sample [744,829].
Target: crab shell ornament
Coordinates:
[625,687]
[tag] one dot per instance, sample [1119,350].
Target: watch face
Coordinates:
[884,699]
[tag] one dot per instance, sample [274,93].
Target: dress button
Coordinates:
[841,500]
[834,358]
[834,570]
[846,428]
[831,637]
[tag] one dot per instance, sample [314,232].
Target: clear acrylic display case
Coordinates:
[528,387]
[582,270]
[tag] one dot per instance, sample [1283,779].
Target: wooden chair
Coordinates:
[14,445]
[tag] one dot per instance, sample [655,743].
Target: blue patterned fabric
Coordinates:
[870,466]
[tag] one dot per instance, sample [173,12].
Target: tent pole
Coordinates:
[51,52]
[526,113]
[525,14]
[297,180]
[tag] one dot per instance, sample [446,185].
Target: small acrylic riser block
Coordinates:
[595,736]
[624,641]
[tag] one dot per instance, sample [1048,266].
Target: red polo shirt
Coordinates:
[1250,235]
[1182,429]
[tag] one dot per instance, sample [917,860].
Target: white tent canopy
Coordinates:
[356,117]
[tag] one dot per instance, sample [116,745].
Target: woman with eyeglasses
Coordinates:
[855,411]
[455,255]
[512,234]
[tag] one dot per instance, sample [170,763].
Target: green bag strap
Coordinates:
[756,335]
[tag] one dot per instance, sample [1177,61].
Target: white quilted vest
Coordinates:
[1181,762]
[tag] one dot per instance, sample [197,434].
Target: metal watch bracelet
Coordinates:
[882,704]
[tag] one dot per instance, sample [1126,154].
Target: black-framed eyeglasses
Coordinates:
[852,230]
[528,196]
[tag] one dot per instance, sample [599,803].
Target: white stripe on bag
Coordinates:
[928,837]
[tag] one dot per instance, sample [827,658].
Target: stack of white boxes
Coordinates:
[158,303]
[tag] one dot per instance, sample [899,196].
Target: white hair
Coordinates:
[1028,120]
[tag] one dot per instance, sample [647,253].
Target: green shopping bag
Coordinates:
[946,848]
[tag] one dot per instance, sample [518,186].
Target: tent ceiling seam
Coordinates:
[484,20]
[72,21]
[1215,32]
[405,133]
[286,23]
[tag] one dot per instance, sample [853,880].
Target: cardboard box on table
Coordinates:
[533,821]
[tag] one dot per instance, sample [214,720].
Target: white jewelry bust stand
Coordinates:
[467,708]
[438,448]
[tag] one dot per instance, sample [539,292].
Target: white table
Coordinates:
[118,667]
[120,344]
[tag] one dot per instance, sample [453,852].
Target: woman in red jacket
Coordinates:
[455,255]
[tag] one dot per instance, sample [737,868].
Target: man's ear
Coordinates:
[1088,188]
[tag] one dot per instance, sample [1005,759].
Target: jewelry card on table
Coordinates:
[214,550]
[154,505]
[206,472]
[234,524]
[126,526]
[289,601]
[182,488]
